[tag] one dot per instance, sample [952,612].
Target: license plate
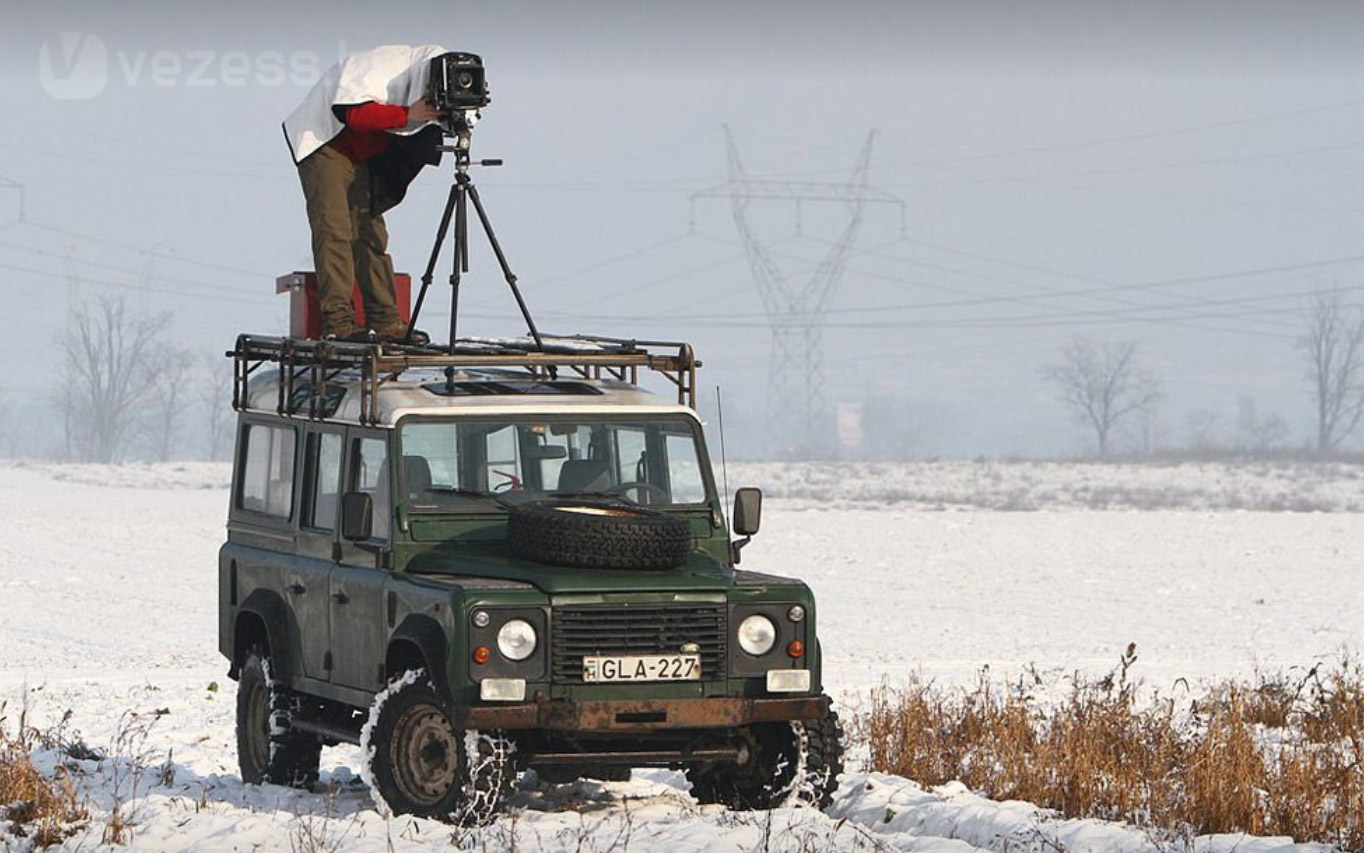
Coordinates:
[598,668]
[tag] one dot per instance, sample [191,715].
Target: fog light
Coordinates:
[788,681]
[502,689]
[481,654]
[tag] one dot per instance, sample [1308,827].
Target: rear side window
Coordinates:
[267,481]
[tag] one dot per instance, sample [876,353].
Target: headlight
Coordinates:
[516,640]
[757,635]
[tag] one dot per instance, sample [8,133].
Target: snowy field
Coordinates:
[108,610]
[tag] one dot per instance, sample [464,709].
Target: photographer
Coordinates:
[359,138]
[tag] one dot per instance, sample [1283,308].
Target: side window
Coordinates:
[369,473]
[684,471]
[267,477]
[324,457]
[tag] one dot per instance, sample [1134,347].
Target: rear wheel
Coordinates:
[789,764]
[268,749]
[419,763]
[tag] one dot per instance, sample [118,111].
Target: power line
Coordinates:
[11,184]
[179,259]
[132,286]
[948,160]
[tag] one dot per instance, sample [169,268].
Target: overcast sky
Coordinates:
[1184,175]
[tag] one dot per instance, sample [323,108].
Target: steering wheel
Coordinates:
[644,488]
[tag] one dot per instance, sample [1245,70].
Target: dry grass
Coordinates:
[44,810]
[1277,757]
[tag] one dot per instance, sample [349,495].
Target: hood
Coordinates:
[392,74]
[700,573]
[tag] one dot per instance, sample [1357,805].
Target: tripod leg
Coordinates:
[431,262]
[506,269]
[460,262]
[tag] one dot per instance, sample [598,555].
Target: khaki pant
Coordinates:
[350,243]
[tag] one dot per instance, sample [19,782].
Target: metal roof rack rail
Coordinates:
[307,366]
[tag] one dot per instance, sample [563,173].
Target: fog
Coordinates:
[1184,176]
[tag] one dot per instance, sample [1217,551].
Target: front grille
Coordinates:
[618,629]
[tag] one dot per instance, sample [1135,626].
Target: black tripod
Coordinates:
[457,205]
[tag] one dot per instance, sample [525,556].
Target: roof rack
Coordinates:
[307,366]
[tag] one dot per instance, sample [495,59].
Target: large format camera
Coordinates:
[457,88]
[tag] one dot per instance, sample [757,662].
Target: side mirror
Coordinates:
[357,516]
[748,511]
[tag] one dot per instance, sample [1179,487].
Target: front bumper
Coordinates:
[640,715]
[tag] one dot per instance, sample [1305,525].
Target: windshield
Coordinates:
[654,461]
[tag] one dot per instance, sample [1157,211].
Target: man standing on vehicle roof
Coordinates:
[359,138]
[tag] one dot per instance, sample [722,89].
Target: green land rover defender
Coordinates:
[498,558]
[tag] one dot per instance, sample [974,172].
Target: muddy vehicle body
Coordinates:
[499,559]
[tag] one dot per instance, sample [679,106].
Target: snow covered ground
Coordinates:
[108,611]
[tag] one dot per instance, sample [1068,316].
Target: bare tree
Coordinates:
[1103,384]
[9,435]
[166,405]
[1259,432]
[215,402]
[1204,427]
[1334,345]
[111,357]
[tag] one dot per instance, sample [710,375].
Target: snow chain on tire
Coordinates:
[598,535]
[294,757]
[792,764]
[268,749]
[481,781]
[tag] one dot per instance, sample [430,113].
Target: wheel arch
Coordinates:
[420,642]
[263,618]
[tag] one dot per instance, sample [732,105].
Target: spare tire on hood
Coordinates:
[597,534]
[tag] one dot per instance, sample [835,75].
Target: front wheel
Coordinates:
[419,763]
[788,764]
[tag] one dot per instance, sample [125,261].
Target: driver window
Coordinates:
[324,452]
[369,473]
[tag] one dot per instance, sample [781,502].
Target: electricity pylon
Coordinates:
[797,307]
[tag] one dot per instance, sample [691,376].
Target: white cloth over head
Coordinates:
[392,74]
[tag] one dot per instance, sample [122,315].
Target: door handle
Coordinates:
[341,597]
[297,588]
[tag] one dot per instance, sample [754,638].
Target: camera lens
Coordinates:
[465,80]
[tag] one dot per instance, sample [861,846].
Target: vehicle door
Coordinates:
[358,630]
[317,548]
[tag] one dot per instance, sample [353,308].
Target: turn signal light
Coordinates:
[482,654]
[796,649]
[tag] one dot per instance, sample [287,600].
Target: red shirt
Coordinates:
[364,136]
